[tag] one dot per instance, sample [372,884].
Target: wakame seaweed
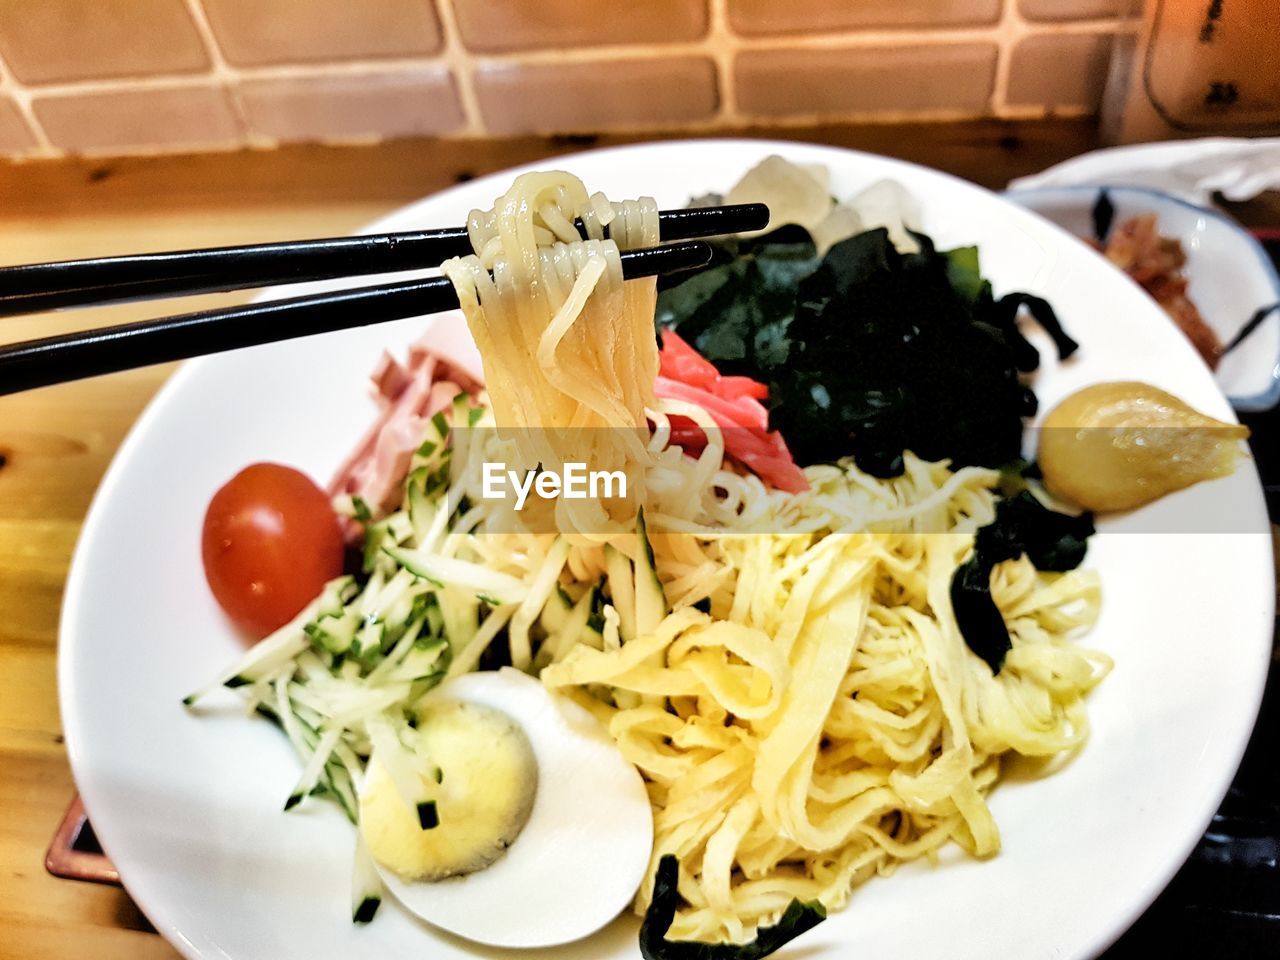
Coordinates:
[1052,541]
[736,312]
[869,351]
[654,945]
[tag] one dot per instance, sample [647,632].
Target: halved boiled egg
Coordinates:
[525,802]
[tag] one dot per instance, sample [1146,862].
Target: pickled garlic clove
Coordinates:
[1115,446]
[791,191]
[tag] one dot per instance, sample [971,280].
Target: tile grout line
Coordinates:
[852,39]
[720,44]
[462,68]
[222,72]
[710,127]
[1008,31]
[236,74]
[720,47]
[22,100]
[460,60]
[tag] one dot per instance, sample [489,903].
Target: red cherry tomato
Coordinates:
[271,541]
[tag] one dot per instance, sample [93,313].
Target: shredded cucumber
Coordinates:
[622,590]
[651,602]
[366,885]
[344,678]
[489,585]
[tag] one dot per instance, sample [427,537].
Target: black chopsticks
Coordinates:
[50,286]
[74,356]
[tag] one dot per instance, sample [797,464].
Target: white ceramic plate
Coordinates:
[189,808]
[1230,275]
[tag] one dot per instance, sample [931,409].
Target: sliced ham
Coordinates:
[409,395]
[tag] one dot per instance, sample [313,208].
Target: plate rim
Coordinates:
[78,573]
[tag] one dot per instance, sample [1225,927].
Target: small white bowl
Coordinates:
[1230,275]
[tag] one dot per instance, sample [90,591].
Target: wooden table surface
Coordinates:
[56,442]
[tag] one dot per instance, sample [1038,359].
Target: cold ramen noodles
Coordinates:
[794,653]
